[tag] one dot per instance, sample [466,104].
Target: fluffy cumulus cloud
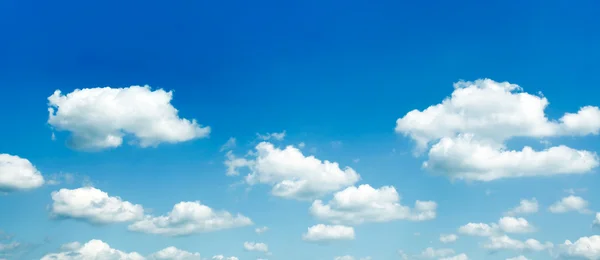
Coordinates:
[173,253]
[569,204]
[431,253]
[456,257]
[355,205]
[258,247]
[94,249]
[503,242]
[188,218]
[93,205]
[525,207]
[18,173]
[99,118]
[583,248]
[291,174]
[467,133]
[324,233]
[448,238]
[504,225]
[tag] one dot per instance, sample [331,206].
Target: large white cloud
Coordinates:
[525,207]
[355,205]
[173,253]
[258,247]
[189,218]
[323,233]
[291,174]
[504,225]
[94,249]
[94,205]
[473,124]
[17,173]
[504,242]
[99,118]
[584,247]
[570,203]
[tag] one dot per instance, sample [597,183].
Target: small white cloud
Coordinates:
[221,257]
[72,246]
[569,204]
[99,118]
[356,205]
[477,229]
[233,163]
[93,205]
[521,257]
[448,238]
[231,142]
[323,233]
[504,225]
[301,145]
[525,207]
[269,136]
[94,249]
[18,173]
[456,257]
[596,221]
[188,218]
[515,225]
[584,247]
[503,242]
[258,247]
[261,230]
[173,253]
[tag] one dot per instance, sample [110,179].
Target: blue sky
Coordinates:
[334,76]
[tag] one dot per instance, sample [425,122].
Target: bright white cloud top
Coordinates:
[173,253]
[325,233]
[99,118]
[18,173]
[356,205]
[292,174]
[584,247]
[468,131]
[94,249]
[93,205]
[188,218]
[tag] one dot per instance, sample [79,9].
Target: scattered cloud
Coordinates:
[503,242]
[221,257]
[456,257]
[274,136]
[504,225]
[325,233]
[293,175]
[18,173]
[93,205]
[525,207]
[231,143]
[93,249]
[448,238]
[188,218]
[356,205]
[596,221]
[258,247]
[260,230]
[173,253]
[99,118]
[233,163]
[569,204]
[468,131]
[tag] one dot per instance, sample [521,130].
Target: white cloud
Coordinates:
[94,249]
[584,247]
[99,118]
[323,233]
[473,124]
[504,225]
[260,230]
[18,173]
[188,218]
[448,238]
[233,163]
[269,136]
[431,253]
[258,247]
[94,205]
[525,207]
[402,255]
[173,253]
[596,221]
[456,257]
[570,203]
[521,257]
[356,205]
[221,257]
[231,142]
[293,175]
[466,158]
[504,242]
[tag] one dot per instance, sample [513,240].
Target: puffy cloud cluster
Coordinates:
[259,247]
[189,218]
[570,203]
[99,118]
[324,233]
[173,253]
[355,205]
[292,174]
[18,173]
[504,225]
[503,242]
[467,133]
[525,207]
[93,205]
[584,247]
[97,249]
